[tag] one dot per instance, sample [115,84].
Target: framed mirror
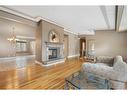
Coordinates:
[53,36]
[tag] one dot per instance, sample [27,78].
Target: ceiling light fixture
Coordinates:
[12,39]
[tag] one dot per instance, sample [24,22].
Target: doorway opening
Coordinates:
[82,47]
[25,47]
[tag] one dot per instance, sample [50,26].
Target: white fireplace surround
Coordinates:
[53,53]
[59,51]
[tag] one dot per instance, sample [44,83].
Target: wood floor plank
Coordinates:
[35,76]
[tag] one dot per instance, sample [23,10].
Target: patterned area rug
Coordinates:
[86,81]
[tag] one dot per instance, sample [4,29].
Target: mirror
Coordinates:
[53,36]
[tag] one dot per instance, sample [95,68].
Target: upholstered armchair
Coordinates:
[117,75]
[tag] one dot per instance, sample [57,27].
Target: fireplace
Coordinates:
[52,53]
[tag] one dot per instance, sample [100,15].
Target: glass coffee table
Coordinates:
[81,80]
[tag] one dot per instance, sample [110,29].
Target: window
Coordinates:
[21,46]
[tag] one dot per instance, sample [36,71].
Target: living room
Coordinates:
[44,49]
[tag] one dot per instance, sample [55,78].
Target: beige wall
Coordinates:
[109,43]
[43,36]
[21,29]
[39,42]
[6,49]
[73,44]
[32,47]
[46,28]
[66,46]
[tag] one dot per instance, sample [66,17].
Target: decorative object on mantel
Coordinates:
[53,36]
[12,39]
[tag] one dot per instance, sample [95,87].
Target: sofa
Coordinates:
[113,69]
[105,60]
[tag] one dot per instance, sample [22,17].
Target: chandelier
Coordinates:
[12,37]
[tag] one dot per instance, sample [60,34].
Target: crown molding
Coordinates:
[66,30]
[35,19]
[14,12]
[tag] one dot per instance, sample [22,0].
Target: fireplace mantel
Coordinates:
[58,43]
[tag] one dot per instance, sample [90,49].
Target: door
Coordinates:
[82,47]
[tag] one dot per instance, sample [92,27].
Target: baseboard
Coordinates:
[7,58]
[50,64]
[72,56]
[55,62]
[40,63]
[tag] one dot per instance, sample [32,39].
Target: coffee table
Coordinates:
[81,80]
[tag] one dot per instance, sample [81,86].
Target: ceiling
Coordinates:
[77,19]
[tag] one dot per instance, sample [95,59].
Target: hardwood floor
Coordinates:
[35,76]
[7,64]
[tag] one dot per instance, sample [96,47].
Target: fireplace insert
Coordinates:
[52,53]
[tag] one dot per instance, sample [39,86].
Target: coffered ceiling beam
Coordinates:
[104,12]
[118,17]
